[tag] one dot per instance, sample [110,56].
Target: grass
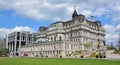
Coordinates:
[55,61]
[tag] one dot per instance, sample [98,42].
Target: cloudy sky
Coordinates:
[29,15]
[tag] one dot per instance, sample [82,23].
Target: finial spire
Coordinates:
[74,13]
[74,7]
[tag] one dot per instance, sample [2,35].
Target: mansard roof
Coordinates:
[95,23]
[58,22]
[76,16]
[43,28]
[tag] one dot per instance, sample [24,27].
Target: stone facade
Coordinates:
[64,38]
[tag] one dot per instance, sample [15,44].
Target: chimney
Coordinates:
[92,18]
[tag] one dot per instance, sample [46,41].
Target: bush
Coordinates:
[104,56]
[101,55]
[111,48]
[46,56]
[37,56]
[4,52]
[117,52]
[0,53]
[82,56]
[69,54]
[93,55]
[78,52]
[61,56]
[97,56]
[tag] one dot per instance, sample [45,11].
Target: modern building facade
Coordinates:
[15,40]
[64,38]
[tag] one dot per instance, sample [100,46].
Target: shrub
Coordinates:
[37,56]
[97,56]
[78,52]
[4,52]
[82,56]
[46,56]
[111,48]
[93,54]
[69,54]
[100,56]
[61,56]
[117,52]
[104,56]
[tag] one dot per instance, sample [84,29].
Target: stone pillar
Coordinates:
[15,45]
[69,46]
[7,41]
[20,46]
[9,47]
[15,48]
[12,49]
[63,49]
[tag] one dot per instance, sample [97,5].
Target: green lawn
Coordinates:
[57,61]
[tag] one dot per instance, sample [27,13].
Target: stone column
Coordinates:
[9,47]
[12,48]
[7,41]
[63,49]
[20,46]
[15,46]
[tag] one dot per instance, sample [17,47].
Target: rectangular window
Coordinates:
[18,37]
[60,38]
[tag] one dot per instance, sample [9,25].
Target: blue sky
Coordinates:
[11,20]
[29,15]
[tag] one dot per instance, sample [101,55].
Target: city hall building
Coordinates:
[64,38]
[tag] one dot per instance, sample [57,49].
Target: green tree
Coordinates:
[0,52]
[87,46]
[5,51]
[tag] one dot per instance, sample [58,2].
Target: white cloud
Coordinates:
[109,28]
[100,11]
[87,13]
[4,31]
[112,28]
[115,15]
[49,9]
[112,33]
[111,36]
